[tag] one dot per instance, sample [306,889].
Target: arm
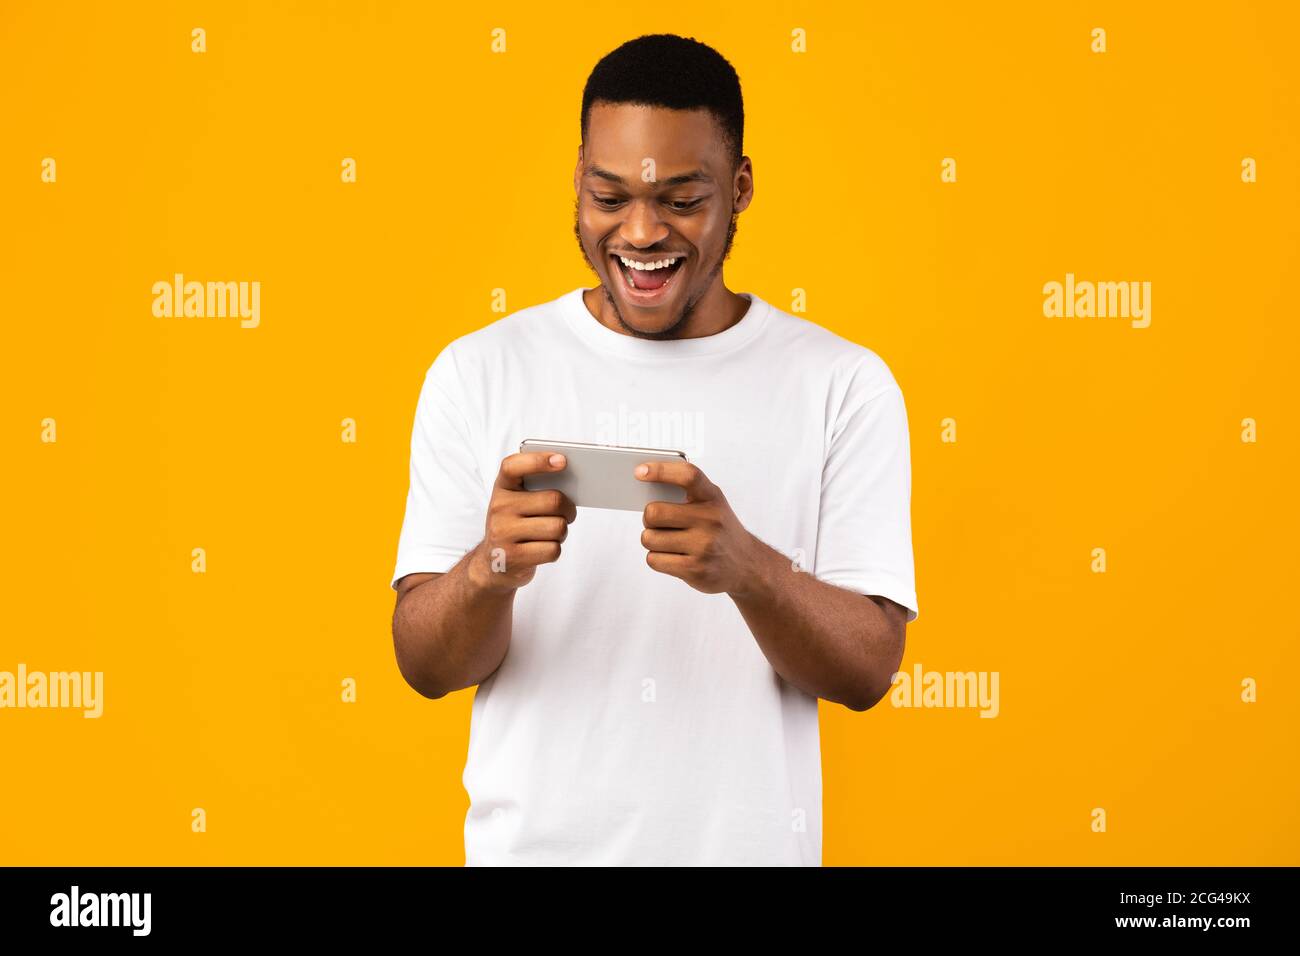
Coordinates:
[827,641]
[452,630]
[863,547]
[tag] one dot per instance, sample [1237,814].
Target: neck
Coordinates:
[715,311]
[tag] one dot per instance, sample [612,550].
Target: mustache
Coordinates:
[577,235]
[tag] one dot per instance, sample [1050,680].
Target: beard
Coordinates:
[688,307]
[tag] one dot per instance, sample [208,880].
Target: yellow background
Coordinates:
[222,690]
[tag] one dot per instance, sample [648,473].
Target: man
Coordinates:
[648,682]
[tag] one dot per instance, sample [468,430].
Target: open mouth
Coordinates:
[647,280]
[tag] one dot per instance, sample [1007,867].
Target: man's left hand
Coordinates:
[700,540]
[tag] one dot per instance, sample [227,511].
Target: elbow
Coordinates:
[865,701]
[420,683]
[422,687]
[412,671]
[880,677]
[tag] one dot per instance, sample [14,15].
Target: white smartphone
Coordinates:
[600,476]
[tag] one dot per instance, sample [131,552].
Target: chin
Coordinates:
[643,330]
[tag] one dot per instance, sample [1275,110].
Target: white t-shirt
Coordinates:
[635,720]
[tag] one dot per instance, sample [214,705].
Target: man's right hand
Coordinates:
[524,528]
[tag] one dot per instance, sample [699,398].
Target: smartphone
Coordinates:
[600,476]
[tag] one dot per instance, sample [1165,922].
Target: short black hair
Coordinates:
[680,73]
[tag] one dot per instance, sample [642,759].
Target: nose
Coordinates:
[642,226]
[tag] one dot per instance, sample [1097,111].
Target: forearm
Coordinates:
[452,631]
[827,641]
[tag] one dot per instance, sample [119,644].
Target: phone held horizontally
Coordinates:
[600,476]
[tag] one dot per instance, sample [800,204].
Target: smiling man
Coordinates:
[648,683]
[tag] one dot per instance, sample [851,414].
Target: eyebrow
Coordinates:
[694,176]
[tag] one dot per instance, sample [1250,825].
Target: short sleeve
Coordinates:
[446,503]
[864,532]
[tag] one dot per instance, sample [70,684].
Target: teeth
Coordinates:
[647,266]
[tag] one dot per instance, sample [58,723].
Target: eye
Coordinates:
[607,202]
[682,205]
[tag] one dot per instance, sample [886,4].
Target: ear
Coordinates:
[744,187]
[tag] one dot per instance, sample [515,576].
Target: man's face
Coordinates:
[687,212]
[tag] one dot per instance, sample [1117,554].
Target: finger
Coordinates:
[514,467]
[678,565]
[548,528]
[680,473]
[531,553]
[669,514]
[666,542]
[545,501]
